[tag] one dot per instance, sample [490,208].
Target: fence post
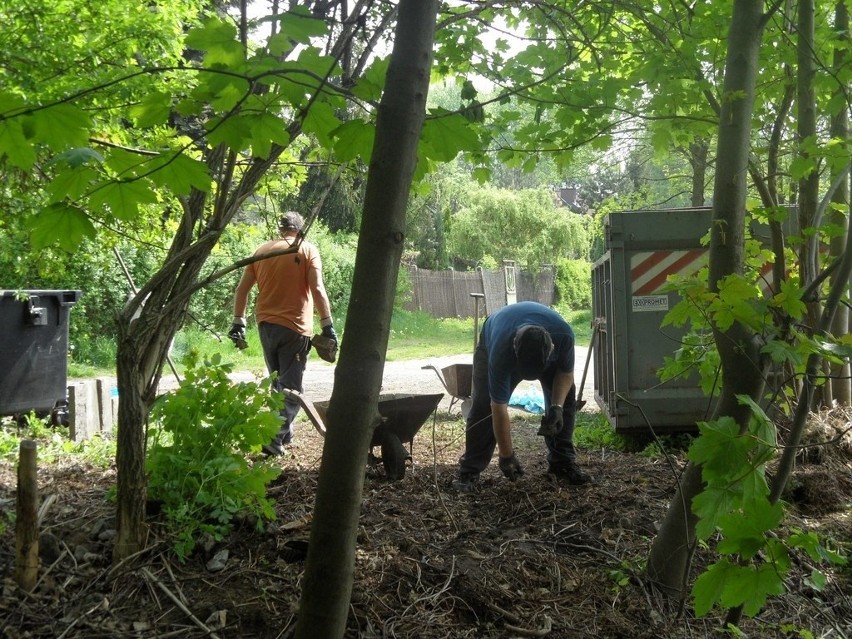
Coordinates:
[26,522]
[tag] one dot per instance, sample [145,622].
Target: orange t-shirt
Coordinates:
[284,295]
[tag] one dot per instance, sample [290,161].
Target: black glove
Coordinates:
[551,423]
[511,467]
[237,334]
[328,331]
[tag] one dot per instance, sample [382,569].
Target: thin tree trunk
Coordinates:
[672,549]
[698,151]
[353,410]
[840,373]
[809,184]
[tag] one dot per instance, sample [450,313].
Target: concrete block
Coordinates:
[82,410]
[106,420]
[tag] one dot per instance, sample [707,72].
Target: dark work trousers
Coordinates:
[286,353]
[480,442]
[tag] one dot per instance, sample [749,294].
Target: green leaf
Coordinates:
[744,531]
[72,183]
[445,136]
[721,450]
[353,139]
[61,126]
[181,173]
[78,157]
[314,68]
[122,199]
[300,25]
[482,175]
[266,129]
[321,121]
[15,146]
[709,586]
[835,352]
[809,542]
[234,132]
[817,580]
[11,103]
[60,224]
[370,85]
[802,166]
[710,505]
[781,352]
[735,301]
[759,425]
[153,110]
[468,91]
[219,39]
[789,298]
[749,586]
[754,486]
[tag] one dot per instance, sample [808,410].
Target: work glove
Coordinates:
[326,343]
[511,467]
[551,423]
[328,331]
[237,333]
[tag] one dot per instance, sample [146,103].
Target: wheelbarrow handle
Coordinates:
[439,374]
[309,408]
[596,327]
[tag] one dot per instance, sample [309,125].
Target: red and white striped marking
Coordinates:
[649,270]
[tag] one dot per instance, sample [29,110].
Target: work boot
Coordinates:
[272,450]
[570,473]
[466,482]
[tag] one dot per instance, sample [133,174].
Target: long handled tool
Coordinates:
[596,328]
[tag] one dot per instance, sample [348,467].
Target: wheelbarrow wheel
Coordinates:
[394,456]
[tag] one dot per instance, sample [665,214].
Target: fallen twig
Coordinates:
[528,632]
[515,619]
[178,603]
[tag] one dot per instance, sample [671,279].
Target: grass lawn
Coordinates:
[412,336]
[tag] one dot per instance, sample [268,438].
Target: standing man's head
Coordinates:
[291,222]
[533,346]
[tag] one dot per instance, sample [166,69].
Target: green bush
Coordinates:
[574,284]
[593,431]
[196,460]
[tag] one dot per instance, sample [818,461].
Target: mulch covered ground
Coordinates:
[526,559]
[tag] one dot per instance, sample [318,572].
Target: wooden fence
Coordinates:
[451,293]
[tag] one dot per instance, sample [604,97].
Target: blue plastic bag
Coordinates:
[529,398]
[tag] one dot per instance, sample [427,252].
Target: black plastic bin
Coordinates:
[34,350]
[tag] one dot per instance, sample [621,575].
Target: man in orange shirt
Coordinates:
[289,286]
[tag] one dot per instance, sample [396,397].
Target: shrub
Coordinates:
[574,284]
[196,460]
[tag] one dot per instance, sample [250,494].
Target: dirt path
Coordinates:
[409,376]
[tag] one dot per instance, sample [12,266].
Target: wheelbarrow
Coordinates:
[402,416]
[457,379]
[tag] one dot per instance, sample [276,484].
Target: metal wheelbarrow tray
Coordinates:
[457,379]
[402,417]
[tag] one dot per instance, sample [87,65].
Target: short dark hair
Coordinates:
[291,221]
[533,346]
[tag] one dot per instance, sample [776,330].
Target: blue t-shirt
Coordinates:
[498,335]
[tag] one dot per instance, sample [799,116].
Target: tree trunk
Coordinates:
[353,410]
[840,373]
[809,184]
[698,161]
[671,551]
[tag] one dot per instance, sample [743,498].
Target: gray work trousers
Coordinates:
[286,353]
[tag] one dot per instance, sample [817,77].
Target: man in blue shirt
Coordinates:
[523,341]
